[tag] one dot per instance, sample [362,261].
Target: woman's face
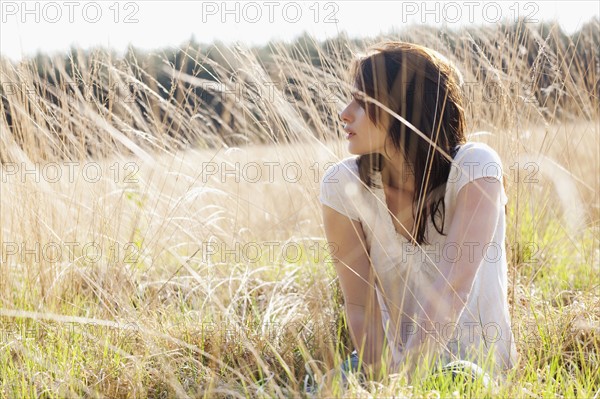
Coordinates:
[364,137]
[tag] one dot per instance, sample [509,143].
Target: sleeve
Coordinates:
[339,190]
[477,162]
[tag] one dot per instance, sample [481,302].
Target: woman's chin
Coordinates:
[356,151]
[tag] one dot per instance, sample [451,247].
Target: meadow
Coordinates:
[156,243]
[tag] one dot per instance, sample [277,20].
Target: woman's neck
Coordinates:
[397,175]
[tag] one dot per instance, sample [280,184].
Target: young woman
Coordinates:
[416,220]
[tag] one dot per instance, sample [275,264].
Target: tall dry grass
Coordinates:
[137,288]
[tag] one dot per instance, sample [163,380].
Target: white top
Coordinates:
[406,272]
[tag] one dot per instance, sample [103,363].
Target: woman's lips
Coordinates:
[349,135]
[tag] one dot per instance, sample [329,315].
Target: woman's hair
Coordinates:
[424,88]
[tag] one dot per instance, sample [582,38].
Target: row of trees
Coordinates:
[209,94]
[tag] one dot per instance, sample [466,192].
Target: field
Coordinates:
[171,247]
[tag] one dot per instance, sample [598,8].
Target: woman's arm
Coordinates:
[357,280]
[474,224]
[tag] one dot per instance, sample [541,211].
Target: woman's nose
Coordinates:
[344,116]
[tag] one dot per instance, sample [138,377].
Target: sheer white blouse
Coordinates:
[406,273]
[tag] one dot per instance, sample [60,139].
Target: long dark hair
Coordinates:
[424,88]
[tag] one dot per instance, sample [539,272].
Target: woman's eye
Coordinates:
[359,101]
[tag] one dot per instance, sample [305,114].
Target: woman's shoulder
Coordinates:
[476,151]
[340,188]
[475,160]
[349,163]
[345,170]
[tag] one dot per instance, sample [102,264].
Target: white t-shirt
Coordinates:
[406,272]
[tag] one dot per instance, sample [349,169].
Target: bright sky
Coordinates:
[52,26]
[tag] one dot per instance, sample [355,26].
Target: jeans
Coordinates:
[350,364]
